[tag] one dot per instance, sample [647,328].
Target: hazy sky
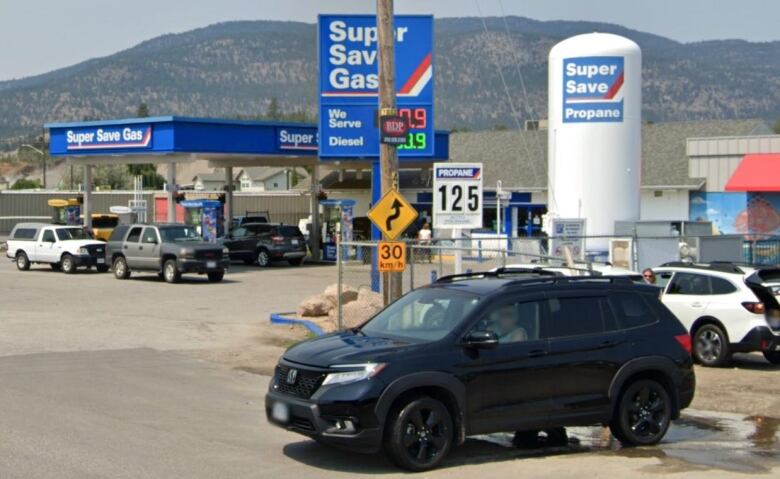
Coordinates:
[37,36]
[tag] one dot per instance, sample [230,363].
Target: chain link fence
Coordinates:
[427,262]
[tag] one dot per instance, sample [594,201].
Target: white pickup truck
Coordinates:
[64,248]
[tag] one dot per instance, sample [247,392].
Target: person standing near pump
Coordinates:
[425,238]
[649,276]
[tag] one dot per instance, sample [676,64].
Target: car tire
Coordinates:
[55,266]
[419,434]
[711,346]
[121,271]
[22,261]
[216,276]
[171,272]
[772,356]
[295,261]
[643,414]
[102,268]
[68,264]
[263,258]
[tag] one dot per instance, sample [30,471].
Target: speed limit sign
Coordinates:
[457,195]
[392,256]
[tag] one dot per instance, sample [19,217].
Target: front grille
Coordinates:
[96,250]
[305,384]
[208,254]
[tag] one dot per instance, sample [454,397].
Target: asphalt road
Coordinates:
[104,378]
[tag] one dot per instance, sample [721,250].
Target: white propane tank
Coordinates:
[594,142]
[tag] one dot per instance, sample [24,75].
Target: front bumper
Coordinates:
[202,266]
[306,417]
[89,260]
[760,338]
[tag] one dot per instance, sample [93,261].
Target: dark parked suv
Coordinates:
[261,243]
[167,249]
[490,352]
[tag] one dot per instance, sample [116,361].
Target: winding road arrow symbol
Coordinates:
[397,205]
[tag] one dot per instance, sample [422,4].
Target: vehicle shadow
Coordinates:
[753,361]
[475,450]
[194,279]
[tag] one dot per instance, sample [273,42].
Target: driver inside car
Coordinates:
[505,322]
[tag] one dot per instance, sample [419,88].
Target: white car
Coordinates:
[64,248]
[727,308]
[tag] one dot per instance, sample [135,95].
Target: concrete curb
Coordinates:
[280,318]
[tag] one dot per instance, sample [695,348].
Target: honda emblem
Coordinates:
[292,375]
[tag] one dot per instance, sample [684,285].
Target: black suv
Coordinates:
[261,243]
[490,352]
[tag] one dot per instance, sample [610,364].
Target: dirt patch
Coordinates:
[750,386]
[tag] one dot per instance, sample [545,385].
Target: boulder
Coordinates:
[354,313]
[348,293]
[318,305]
[373,298]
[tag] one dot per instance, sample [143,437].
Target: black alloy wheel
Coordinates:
[643,414]
[420,434]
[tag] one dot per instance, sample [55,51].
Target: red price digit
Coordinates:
[420,118]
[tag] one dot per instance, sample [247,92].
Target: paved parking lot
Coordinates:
[138,378]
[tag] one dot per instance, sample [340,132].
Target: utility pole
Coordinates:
[388,155]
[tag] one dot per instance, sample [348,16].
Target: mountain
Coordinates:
[234,69]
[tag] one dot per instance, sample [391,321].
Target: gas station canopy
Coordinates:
[174,139]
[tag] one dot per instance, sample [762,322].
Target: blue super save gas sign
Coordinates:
[108,137]
[349,81]
[593,89]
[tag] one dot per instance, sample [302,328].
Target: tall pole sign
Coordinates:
[350,82]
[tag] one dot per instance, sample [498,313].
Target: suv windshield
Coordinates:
[423,315]
[177,234]
[65,234]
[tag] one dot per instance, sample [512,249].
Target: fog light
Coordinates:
[342,426]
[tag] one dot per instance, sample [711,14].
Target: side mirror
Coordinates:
[481,340]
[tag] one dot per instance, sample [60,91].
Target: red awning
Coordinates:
[759,172]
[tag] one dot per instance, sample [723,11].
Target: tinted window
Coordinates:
[25,233]
[689,283]
[514,322]
[258,229]
[721,286]
[150,236]
[118,233]
[239,232]
[289,231]
[48,236]
[632,310]
[579,316]
[135,235]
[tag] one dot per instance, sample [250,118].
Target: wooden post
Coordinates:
[388,155]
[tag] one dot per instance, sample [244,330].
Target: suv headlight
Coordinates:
[225,252]
[83,251]
[186,253]
[356,372]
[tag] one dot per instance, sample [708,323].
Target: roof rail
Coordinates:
[721,266]
[499,272]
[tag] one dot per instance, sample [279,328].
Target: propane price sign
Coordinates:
[457,195]
[349,81]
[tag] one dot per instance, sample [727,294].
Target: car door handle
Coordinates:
[609,344]
[125,247]
[537,353]
[140,247]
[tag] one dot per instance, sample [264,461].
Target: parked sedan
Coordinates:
[262,243]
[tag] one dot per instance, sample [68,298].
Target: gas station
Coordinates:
[227,144]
